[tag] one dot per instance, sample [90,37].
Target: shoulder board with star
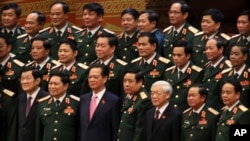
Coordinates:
[136,59]
[243,108]
[166,29]
[121,62]
[19,63]
[226,70]
[82,66]
[193,29]
[77,28]
[57,66]
[207,64]
[224,108]
[44,98]
[45,29]
[30,63]
[237,35]
[225,36]
[8,92]
[56,62]
[168,69]
[196,68]
[164,60]
[120,35]
[187,110]
[199,33]
[228,63]
[109,31]
[12,55]
[143,95]
[213,111]
[21,36]
[76,98]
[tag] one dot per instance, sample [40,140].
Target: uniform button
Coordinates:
[55,139]
[45,114]
[202,61]
[177,96]
[222,124]
[56,113]
[119,130]
[55,130]
[192,127]
[86,54]
[87,45]
[124,57]
[175,105]
[121,121]
[219,133]
[208,80]
[85,63]
[125,49]
[178,87]
[207,89]
[191,135]
[197,50]
[73,82]
[124,112]
[169,55]
[201,128]
[56,121]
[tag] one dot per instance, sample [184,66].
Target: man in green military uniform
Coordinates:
[67,54]
[10,68]
[92,17]
[210,24]
[134,107]
[152,64]
[59,112]
[182,75]
[243,26]
[41,60]
[213,71]
[8,115]
[60,29]
[22,47]
[127,48]
[106,45]
[10,15]
[234,112]
[199,122]
[179,29]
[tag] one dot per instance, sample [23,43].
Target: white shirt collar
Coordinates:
[13,29]
[199,110]
[163,108]
[230,108]
[41,65]
[185,68]
[217,63]
[179,29]
[150,59]
[240,71]
[5,61]
[130,36]
[69,67]
[62,29]
[99,95]
[212,36]
[33,95]
[60,99]
[106,61]
[93,31]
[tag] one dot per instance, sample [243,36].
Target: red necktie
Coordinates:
[93,105]
[28,105]
[157,112]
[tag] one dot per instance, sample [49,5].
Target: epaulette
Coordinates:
[164,60]
[8,92]
[120,35]
[228,63]
[136,59]
[57,66]
[225,36]
[121,62]
[199,33]
[30,63]
[21,36]
[77,28]
[207,64]
[193,29]
[226,70]
[76,98]
[77,32]
[12,55]
[237,35]
[196,68]
[45,29]
[168,69]
[187,110]
[109,31]
[243,108]
[224,108]
[213,111]
[143,95]
[82,66]
[56,62]
[166,29]
[19,63]
[44,98]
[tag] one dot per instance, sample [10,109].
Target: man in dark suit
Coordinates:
[100,109]
[163,122]
[28,103]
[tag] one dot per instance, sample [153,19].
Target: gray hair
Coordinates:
[166,87]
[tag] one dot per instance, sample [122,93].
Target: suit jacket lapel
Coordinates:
[100,106]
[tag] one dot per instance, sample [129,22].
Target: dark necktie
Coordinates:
[175,33]
[245,41]
[58,102]
[157,113]
[236,76]
[211,68]
[89,34]
[127,38]
[38,67]
[59,33]
[180,74]
[11,33]
[28,105]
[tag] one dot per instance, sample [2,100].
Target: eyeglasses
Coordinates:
[174,12]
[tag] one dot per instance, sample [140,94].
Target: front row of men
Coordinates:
[100,114]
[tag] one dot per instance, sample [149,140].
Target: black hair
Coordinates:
[35,72]
[14,6]
[236,84]
[65,6]
[7,38]
[242,47]
[64,76]
[112,39]
[71,42]
[139,75]
[152,16]
[185,44]
[151,37]
[40,17]
[104,68]
[46,43]
[246,13]
[133,12]
[185,8]
[96,7]
[202,89]
[215,14]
